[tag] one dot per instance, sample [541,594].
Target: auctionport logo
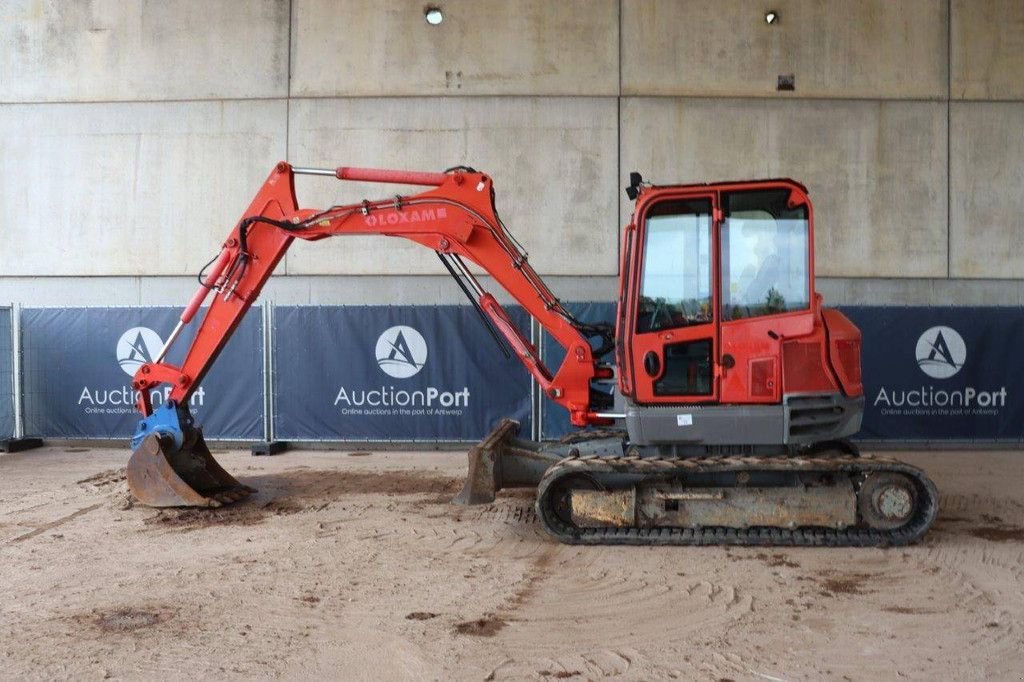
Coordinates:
[136,347]
[941,352]
[401,352]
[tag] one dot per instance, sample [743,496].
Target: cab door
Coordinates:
[674,336]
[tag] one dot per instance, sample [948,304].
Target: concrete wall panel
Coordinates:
[875,170]
[104,50]
[483,47]
[987,49]
[834,48]
[987,189]
[124,189]
[553,161]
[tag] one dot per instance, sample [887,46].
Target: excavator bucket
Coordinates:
[159,475]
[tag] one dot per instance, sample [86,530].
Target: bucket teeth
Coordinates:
[159,475]
[233,495]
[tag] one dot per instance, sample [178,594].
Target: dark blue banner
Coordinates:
[946,373]
[387,373]
[6,375]
[79,363]
[554,418]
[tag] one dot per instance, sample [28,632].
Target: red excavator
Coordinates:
[734,388]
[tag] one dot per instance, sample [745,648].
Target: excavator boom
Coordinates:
[456,217]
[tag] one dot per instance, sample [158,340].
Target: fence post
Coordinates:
[19,441]
[538,395]
[270,367]
[269,446]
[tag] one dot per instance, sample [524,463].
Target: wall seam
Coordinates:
[288,86]
[618,155]
[949,139]
[706,96]
[503,95]
[288,109]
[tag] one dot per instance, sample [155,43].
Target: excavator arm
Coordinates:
[455,217]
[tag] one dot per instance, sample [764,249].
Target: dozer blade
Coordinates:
[481,481]
[159,476]
[503,461]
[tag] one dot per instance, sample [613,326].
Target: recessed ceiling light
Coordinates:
[433,15]
[771,16]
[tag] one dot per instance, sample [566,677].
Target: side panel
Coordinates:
[798,420]
[844,343]
[753,371]
[706,425]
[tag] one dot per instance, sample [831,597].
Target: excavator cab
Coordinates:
[717,311]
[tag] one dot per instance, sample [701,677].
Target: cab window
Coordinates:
[675,287]
[765,266]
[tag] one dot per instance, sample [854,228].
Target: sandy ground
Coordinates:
[356,567]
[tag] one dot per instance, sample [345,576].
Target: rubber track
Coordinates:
[662,468]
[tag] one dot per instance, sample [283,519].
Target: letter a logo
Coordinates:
[136,347]
[401,352]
[939,347]
[941,352]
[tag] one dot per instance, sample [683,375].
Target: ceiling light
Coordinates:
[433,15]
[771,16]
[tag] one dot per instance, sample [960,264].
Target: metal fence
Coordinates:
[433,374]
[937,374]
[393,374]
[7,393]
[78,365]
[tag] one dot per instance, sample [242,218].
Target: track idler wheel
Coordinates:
[161,476]
[886,500]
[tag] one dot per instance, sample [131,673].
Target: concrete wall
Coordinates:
[130,50]
[483,47]
[882,49]
[134,132]
[869,164]
[558,186]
